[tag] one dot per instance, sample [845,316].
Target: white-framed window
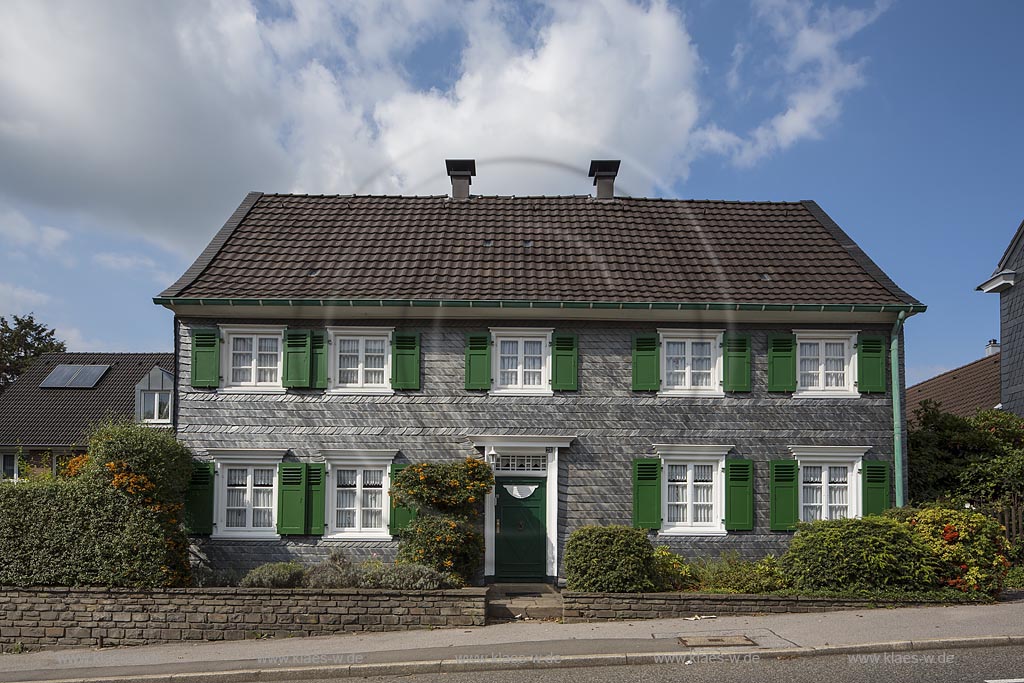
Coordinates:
[826,363]
[252,358]
[521,361]
[360,360]
[692,489]
[156,406]
[358,504]
[245,494]
[691,362]
[830,481]
[9,467]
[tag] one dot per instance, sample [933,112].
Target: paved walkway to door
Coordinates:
[519,601]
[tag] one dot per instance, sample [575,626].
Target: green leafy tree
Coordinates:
[943,445]
[22,340]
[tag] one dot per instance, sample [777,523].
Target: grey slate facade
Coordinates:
[612,423]
[1005,281]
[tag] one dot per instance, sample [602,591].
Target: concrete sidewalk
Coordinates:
[530,645]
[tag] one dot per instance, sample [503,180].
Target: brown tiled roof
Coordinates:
[30,415]
[535,249]
[962,391]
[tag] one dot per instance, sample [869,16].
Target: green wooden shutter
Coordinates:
[781,362]
[646,356]
[199,499]
[478,360]
[400,515]
[785,494]
[206,358]
[736,359]
[291,498]
[647,493]
[316,491]
[318,351]
[565,361]
[875,485]
[871,363]
[297,359]
[405,360]
[739,495]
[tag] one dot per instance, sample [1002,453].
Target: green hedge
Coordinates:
[71,532]
[612,559]
[113,518]
[858,554]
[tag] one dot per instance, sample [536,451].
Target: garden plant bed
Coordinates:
[37,618]
[583,607]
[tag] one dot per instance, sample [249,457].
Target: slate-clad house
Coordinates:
[45,415]
[1011,322]
[711,371]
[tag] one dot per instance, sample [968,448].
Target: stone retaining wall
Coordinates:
[63,617]
[582,607]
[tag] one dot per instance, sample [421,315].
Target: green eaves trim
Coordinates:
[909,309]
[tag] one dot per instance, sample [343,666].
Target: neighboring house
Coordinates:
[962,391]
[712,371]
[1011,322]
[46,414]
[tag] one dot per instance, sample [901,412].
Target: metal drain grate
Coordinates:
[715,641]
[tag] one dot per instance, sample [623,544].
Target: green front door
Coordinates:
[519,532]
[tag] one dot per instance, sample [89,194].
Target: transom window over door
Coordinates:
[249,501]
[359,500]
[522,361]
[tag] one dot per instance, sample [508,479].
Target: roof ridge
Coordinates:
[956,369]
[682,200]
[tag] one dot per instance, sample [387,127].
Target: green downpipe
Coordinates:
[897,408]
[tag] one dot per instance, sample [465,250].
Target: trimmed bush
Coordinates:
[112,519]
[417,577]
[731,574]
[334,572]
[612,559]
[970,547]
[275,575]
[858,554]
[447,487]
[1014,578]
[448,543]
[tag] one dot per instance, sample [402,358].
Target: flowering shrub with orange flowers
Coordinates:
[447,497]
[120,510]
[449,487]
[971,547]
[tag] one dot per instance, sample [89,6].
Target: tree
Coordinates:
[21,343]
[942,446]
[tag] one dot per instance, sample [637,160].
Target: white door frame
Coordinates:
[547,446]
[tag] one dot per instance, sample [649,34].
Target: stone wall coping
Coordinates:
[471,592]
[730,597]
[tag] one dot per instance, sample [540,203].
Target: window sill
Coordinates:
[359,391]
[252,390]
[826,394]
[691,393]
[693,532]
[350,536]
[245,536]
[520,392]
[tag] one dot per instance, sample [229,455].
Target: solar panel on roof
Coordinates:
[74,377]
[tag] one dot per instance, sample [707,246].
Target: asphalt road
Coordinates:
[969,665]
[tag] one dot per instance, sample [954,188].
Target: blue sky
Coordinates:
[130,131]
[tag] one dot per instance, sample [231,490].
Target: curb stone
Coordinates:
[550,662]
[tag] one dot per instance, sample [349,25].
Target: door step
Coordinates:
[524,601]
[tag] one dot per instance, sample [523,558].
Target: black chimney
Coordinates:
[461,171]
[603,171]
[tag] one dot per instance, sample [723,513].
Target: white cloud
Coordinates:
[155,118]
[20,300]
[19,233]
[76,340]
[135,263]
